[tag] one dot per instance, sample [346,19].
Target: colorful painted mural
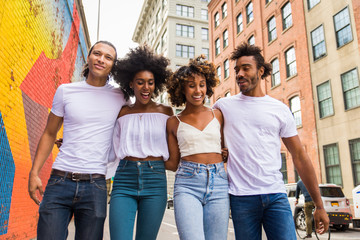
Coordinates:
[42,45]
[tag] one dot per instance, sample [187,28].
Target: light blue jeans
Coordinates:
[139,187]
[272,211]
[201,201]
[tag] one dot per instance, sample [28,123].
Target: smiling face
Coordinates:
[195,89]
[143,85]
[101,61]
[248,76]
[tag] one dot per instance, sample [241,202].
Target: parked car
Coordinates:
[335,203]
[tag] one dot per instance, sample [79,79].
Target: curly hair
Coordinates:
[197,66]
[140,59]
[246,49]
[85,71]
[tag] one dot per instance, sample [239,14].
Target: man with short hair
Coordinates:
[254,124]
[308,206]
[88,109]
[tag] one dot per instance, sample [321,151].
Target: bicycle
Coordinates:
[300,226]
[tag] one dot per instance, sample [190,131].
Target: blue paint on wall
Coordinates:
[7,173]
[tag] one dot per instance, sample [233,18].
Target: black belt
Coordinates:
[77,176]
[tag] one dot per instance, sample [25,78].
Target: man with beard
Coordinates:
[254,124]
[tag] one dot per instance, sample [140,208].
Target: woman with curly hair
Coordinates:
[139,142]
[201,200]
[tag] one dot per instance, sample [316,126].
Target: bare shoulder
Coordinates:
[218,115]
[124,110]
[172,123]
[165,109]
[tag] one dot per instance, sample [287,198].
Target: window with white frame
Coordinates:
[204,14]
[312,3]
[286,15]
[351,90]
[226,68]
[205,51]
[271,29]
[184,31]
[184,11]
[249,12]
[204,34]
[318,42]
[224,10]
[251,40]
[290,62]
[283,169]
[228,94]
[225,38]
[239,23]
[217,47]
[332,164]
[342,27]
[185,51]
[216,19]
[325,99]
[275,74]
[355,159]
[218,71]
[295,108]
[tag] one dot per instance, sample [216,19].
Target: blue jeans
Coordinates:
[201,201]
[272,211]
[138,187]
[63,198]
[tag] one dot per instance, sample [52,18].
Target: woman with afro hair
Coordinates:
[201,199]
[139,141]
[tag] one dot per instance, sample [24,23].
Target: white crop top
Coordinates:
[141,135]
[194,141]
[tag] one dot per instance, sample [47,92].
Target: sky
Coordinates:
[118,20]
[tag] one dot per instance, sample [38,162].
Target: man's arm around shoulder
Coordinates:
[306,171]
[43,150]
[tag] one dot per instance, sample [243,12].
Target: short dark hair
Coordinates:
[85,71]
[246,49]
[140,59]
[196,66]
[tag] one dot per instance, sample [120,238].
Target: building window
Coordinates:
[228,94]
[249,13]
[318,42]
[275,74]
[204,14]
[205,51]
[332,164]
[225,38]
[272,29]
[157,48]
[226,68]
[184,11]
[218,71]
[217,47]
[342,27]
[216,19]
[185,51]
[251,40]
[295,108]
[283,169]
[224,10]
[355,159]
[350,85]
[204,34]
[286,16]
[184,31]
[239,23]
[325,99]
[290,62]
[164,38]
[312,3]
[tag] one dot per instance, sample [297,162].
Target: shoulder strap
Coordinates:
[177,117]
[213,112]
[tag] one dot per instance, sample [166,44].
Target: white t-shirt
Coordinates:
[89,114]
[253,127]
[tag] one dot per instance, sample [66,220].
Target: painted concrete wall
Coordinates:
[42,45]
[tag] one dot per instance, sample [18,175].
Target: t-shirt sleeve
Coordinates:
[58,102]
[288,128]
[217,105]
